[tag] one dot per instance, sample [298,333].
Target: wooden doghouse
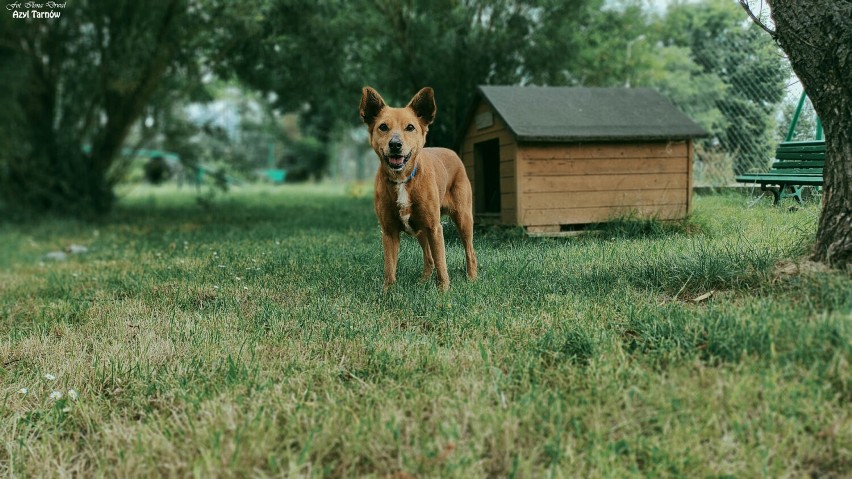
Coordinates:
[546,158]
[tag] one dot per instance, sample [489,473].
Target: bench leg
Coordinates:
[795,192]
[780,193]
[775,194]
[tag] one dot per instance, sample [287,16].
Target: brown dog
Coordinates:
[415,185]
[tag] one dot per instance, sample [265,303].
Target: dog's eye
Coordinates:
[383,127]
[410,127]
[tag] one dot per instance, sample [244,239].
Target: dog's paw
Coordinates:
[387,286]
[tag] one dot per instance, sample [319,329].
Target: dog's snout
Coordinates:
[395,143]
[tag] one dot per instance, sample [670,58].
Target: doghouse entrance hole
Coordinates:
[486,157]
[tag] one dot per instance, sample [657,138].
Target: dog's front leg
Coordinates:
[435,237]
[390,248]
[428,262]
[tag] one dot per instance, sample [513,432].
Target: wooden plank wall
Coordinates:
[508,152]
[562,184]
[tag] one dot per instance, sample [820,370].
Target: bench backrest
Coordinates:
[800,155]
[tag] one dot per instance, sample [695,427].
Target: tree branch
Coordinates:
[757,21]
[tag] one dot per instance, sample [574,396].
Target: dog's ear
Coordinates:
[371,104]
[423,105]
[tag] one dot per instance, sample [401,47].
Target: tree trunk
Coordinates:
[53,173]
[817,36]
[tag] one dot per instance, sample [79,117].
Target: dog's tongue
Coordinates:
[396,160]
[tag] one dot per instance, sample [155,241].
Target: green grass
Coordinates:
[251,338]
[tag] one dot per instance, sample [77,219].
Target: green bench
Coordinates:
[797,164]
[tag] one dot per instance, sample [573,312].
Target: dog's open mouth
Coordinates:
[396,161]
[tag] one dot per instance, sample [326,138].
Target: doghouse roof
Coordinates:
[588,114]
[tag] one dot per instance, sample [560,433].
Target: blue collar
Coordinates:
[410,177]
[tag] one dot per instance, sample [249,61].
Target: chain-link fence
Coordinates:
[716,164]
[757,99]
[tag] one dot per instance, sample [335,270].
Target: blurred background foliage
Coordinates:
[238,92]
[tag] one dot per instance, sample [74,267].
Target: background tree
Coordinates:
[316,55]
[817,37]
[747,64]
[302,54]
[74,87]
[615,45]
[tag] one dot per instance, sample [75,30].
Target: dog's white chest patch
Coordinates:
[402,196]
[404,204]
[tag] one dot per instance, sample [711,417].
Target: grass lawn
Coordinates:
[252,338]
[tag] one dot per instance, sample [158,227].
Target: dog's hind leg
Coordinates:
[428,262]
[464,224]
